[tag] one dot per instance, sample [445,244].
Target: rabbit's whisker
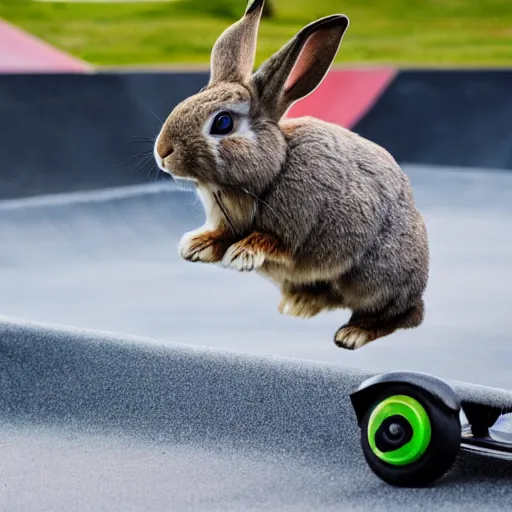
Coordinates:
[216,196]
[260,200]
[137,140]
[150,111]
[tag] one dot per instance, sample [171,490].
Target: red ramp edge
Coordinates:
[345,95]
[25,53]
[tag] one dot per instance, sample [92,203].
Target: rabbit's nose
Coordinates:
[167,151]
[164,148]
[161,152]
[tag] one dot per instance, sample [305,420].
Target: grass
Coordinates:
[397,32]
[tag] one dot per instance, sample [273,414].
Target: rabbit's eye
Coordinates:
[222,124]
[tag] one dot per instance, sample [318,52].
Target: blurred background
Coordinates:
[89,229]
[163,33]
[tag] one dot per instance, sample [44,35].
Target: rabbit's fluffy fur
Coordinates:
[324,213]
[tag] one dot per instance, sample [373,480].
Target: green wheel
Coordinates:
[408,438]
[399,430]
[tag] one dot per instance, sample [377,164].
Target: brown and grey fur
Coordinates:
[324,213]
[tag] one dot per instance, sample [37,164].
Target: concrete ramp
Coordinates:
[75,132]
[108,260]
[101,421]
[450,117]
[69,132]
[132,380]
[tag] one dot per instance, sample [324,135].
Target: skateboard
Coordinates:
[413,426]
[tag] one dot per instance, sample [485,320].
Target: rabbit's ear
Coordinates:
[232,57]
[299,67]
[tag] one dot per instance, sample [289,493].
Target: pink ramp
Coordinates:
[345,95]
[21,52]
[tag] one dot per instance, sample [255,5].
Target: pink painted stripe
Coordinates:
[345,95]
[21,52]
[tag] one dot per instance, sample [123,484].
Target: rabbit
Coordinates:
[326,215]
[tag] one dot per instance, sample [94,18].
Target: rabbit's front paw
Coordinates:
[352,337]
[205,246]
[243,257]
[251,252]
[300,305]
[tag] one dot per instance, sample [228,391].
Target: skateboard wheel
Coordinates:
[408,438]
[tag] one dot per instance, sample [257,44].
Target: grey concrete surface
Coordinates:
[97,421]
[108,260]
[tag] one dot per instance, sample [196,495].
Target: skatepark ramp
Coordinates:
[72,132]
[97,419]
[108,260]
[131,379]
[454,117]
[83,131]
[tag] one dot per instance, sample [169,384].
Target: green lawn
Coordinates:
[399,32]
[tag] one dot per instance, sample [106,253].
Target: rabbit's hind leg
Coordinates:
[364,327]
[306,301]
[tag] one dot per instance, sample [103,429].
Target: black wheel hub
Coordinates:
[393,433]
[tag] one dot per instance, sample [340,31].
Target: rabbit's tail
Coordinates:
[364,327]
